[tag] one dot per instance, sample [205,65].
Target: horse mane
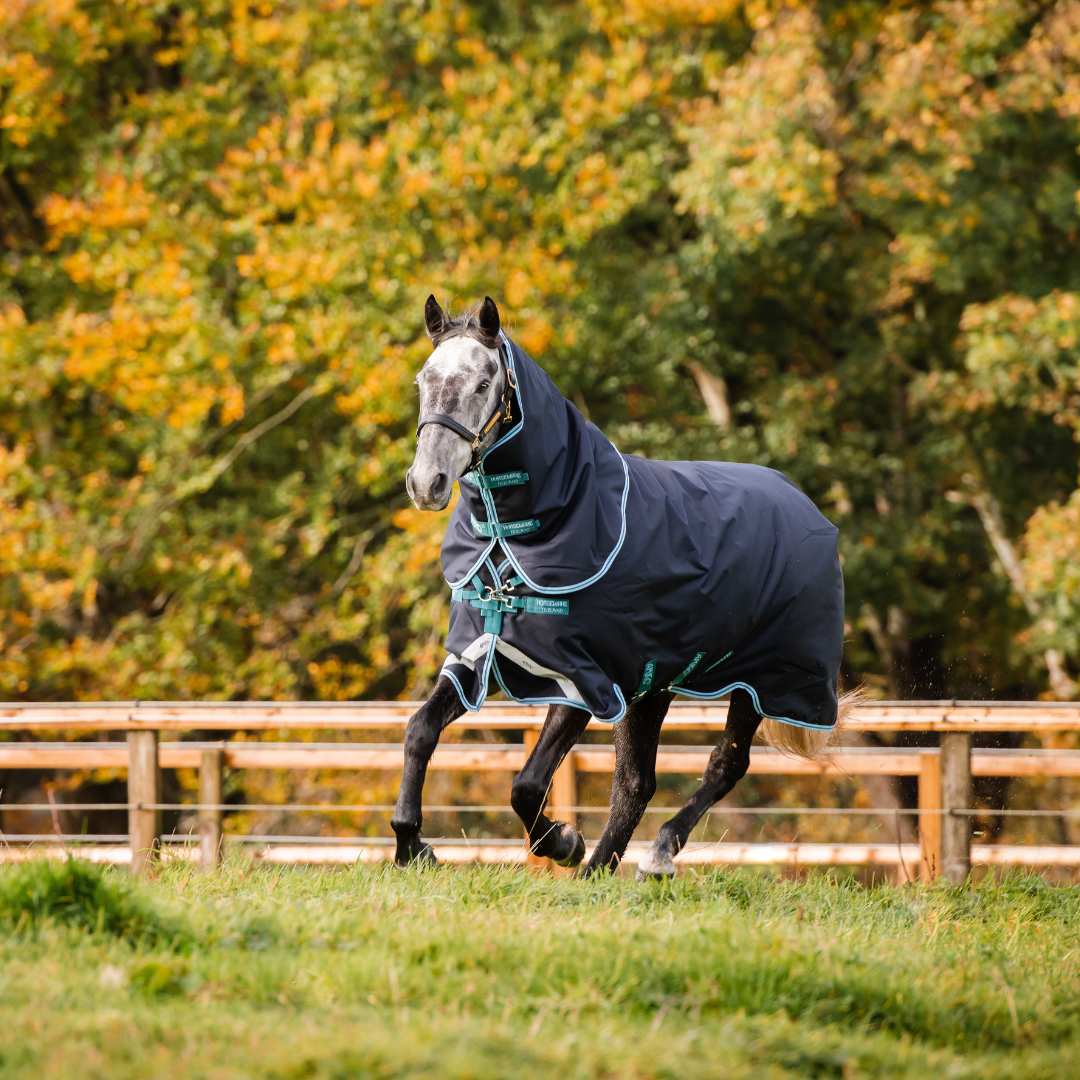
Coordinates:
[467,324]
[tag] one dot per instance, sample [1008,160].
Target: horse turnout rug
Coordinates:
[584,576]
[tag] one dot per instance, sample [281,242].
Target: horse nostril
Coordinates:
[425,488]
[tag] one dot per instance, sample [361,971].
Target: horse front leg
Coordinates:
[421,737]
[551,839]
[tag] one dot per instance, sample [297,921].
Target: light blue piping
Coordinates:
[517,393]
[489,503]
[461,693]
[491,661]
[492,665]
[556,590]
[561,700]
[497,573]
[509,435]
[509,356]
[757,704]
[497,576]
[472,569]
[488,661]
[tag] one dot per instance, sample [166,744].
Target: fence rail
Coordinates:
[944,774]
[986,716]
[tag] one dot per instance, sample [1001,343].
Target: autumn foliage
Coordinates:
[839,238]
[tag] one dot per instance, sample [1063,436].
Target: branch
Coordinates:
[989,510]
[203,482]
[196,485]
[357,557]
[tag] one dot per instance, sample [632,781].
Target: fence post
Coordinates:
[955,795]
[143,790]
[564,791]
[929,815]
[210,767]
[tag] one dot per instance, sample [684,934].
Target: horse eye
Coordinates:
[484,385]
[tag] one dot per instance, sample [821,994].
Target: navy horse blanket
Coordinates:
[584,576]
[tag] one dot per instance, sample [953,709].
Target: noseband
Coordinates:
[504,412]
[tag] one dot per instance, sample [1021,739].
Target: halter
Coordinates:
[503,412]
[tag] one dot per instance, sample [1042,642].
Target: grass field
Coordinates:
[496,972]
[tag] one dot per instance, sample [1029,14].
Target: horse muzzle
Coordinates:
[428,489]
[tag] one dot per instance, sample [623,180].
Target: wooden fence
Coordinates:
[944,773]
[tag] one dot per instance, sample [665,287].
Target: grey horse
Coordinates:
[603,585]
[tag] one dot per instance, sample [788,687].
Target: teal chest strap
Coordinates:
[500,480]
[497,602]
[488,529]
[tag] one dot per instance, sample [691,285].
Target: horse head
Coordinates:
[464,395]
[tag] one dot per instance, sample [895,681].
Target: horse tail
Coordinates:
[808,742]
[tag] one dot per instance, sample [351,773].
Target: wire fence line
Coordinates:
[490,808]
[943,775]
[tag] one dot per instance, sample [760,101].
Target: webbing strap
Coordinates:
[501,480]
[494,604]
[647,677]
[717,663]
[489,529]
[530,605]
[698,657]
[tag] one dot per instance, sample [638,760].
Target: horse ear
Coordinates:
[434,317]
[488,318]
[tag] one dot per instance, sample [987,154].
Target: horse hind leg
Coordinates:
[551,839]
[637,737]
[727,766]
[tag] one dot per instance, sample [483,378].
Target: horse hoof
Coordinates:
[656,867]
[577,851]
[421,855]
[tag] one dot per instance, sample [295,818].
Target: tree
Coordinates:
[850,225]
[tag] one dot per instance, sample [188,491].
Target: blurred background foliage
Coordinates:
[839,238]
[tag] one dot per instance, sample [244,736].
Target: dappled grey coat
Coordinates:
[584,576]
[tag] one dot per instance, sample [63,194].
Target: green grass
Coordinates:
[492,972]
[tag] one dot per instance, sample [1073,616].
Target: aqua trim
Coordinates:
[447,673]
[556,590]
[698,657]
[519,426]
[493,515]
[556,700]
[508,354]
[485,676]
[757,704]
[495,601]
[466,577]
[503,528]
[501,480]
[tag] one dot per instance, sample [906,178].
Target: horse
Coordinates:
[604,584]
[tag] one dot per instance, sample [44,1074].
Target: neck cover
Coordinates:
[587,578]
